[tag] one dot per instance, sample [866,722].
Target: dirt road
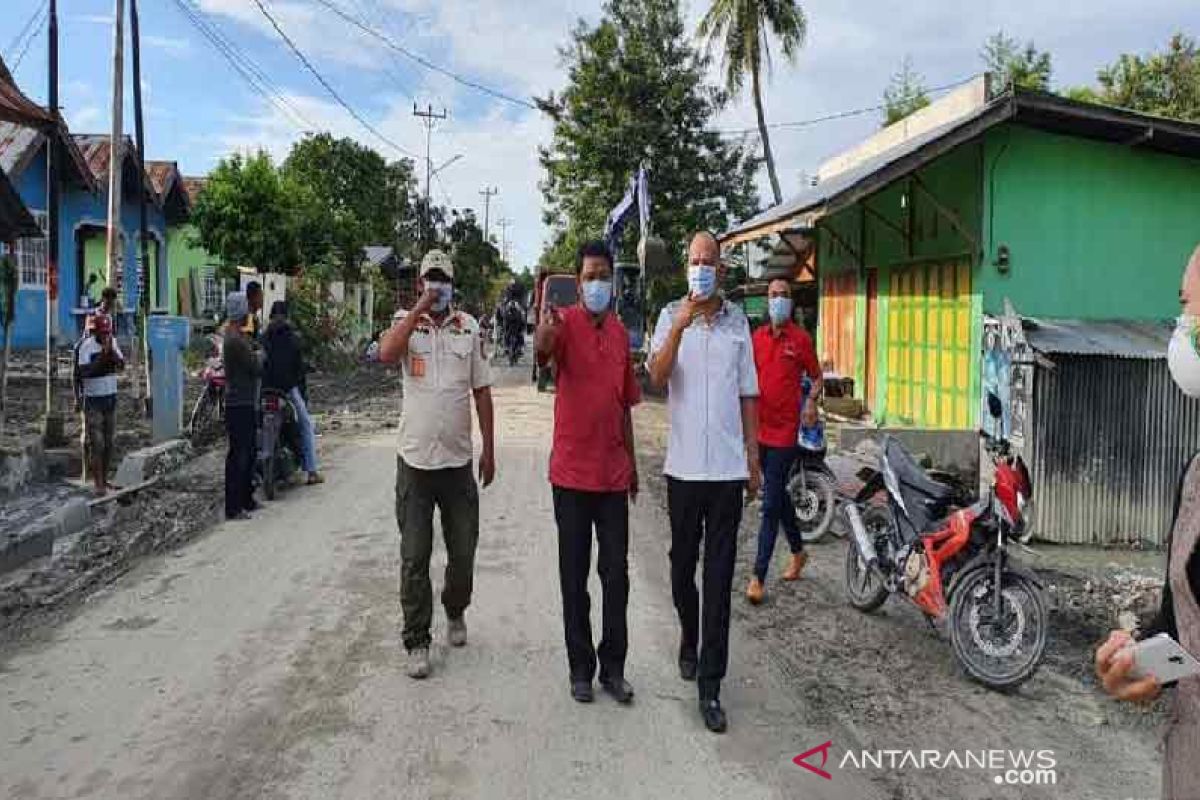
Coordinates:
[264,661]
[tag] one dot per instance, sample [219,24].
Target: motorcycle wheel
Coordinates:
[865,589]
[201,419]
[999,653]
[814,499]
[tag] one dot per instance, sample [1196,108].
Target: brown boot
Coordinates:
[795,566]
[754,592]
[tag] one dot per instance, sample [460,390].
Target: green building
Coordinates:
[1070,210]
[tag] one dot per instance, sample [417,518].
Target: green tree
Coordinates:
[905,94]
[1012,65]
[636,93]
[247,216]
[474,259]
[1166,83]
[359,198]
[743,29]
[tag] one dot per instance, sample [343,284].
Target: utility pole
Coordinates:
[140,146]
[487,195]
[429,118]
[113,259]
[505,223]
[52,432]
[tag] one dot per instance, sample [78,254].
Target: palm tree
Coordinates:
[743,28]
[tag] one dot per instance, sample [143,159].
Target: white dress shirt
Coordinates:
[713,372]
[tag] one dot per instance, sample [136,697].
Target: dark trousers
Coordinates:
[708,512]
[777,508]
[577,513]
[454,493]
[241,428]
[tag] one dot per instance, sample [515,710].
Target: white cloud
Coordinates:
[168,44]
[86,119]
[512,45]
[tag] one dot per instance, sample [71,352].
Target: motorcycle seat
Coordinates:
[912,476]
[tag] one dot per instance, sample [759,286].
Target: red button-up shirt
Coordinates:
[782,358]
[594,387]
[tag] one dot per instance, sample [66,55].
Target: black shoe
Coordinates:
[619,689]
[687,669]
[714,715]
[582,691]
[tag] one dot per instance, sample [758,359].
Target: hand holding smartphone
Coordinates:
[1164,659]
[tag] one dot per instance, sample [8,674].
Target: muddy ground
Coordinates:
[178,508]
[879,681]
[887,680]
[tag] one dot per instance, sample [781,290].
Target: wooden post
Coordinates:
[116,143]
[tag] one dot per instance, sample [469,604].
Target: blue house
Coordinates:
[83,218]
[23,161]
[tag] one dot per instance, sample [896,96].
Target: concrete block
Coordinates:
[65,462]
[21,465]
[34,541]
[142,465]
[72,516]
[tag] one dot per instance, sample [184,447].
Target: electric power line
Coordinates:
[32,30]
[246,69]
[30,23]
[328,87]
[388,42]
[857,112]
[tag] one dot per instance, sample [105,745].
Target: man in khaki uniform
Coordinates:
[442,359]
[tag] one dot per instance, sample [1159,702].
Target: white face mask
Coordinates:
[1182,358]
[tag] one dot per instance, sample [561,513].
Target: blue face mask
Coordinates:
[597,295]
[702,280]
[780,309]
[445,294]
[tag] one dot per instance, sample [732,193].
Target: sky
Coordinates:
[198,109]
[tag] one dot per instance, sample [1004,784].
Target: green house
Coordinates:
[1070,210]
[196,288]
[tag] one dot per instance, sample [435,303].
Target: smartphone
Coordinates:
[1164,658]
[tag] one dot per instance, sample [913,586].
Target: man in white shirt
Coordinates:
[99,359]
[703,354]
[441,356]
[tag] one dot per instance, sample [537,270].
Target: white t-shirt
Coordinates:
[104,386]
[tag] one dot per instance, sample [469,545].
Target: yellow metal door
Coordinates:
[929,346]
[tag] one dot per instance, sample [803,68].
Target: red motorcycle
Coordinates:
[950,557]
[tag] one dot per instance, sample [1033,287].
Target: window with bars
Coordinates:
[31,256]
[213,300]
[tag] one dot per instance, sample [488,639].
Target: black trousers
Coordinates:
[241,428]
[708,512]
[454,493]
[577,513]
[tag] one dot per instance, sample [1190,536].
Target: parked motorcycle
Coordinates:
[208,413]
[278,441]
[812,488]
[952,563]
[811,485]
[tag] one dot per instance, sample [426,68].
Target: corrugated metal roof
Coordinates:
[96,151]
[17,145]
[1036,109]
[816,197]
[16,107]
[1122,339]
[193,187]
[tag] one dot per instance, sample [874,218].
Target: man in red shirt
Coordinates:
[593,470]
[783,355]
